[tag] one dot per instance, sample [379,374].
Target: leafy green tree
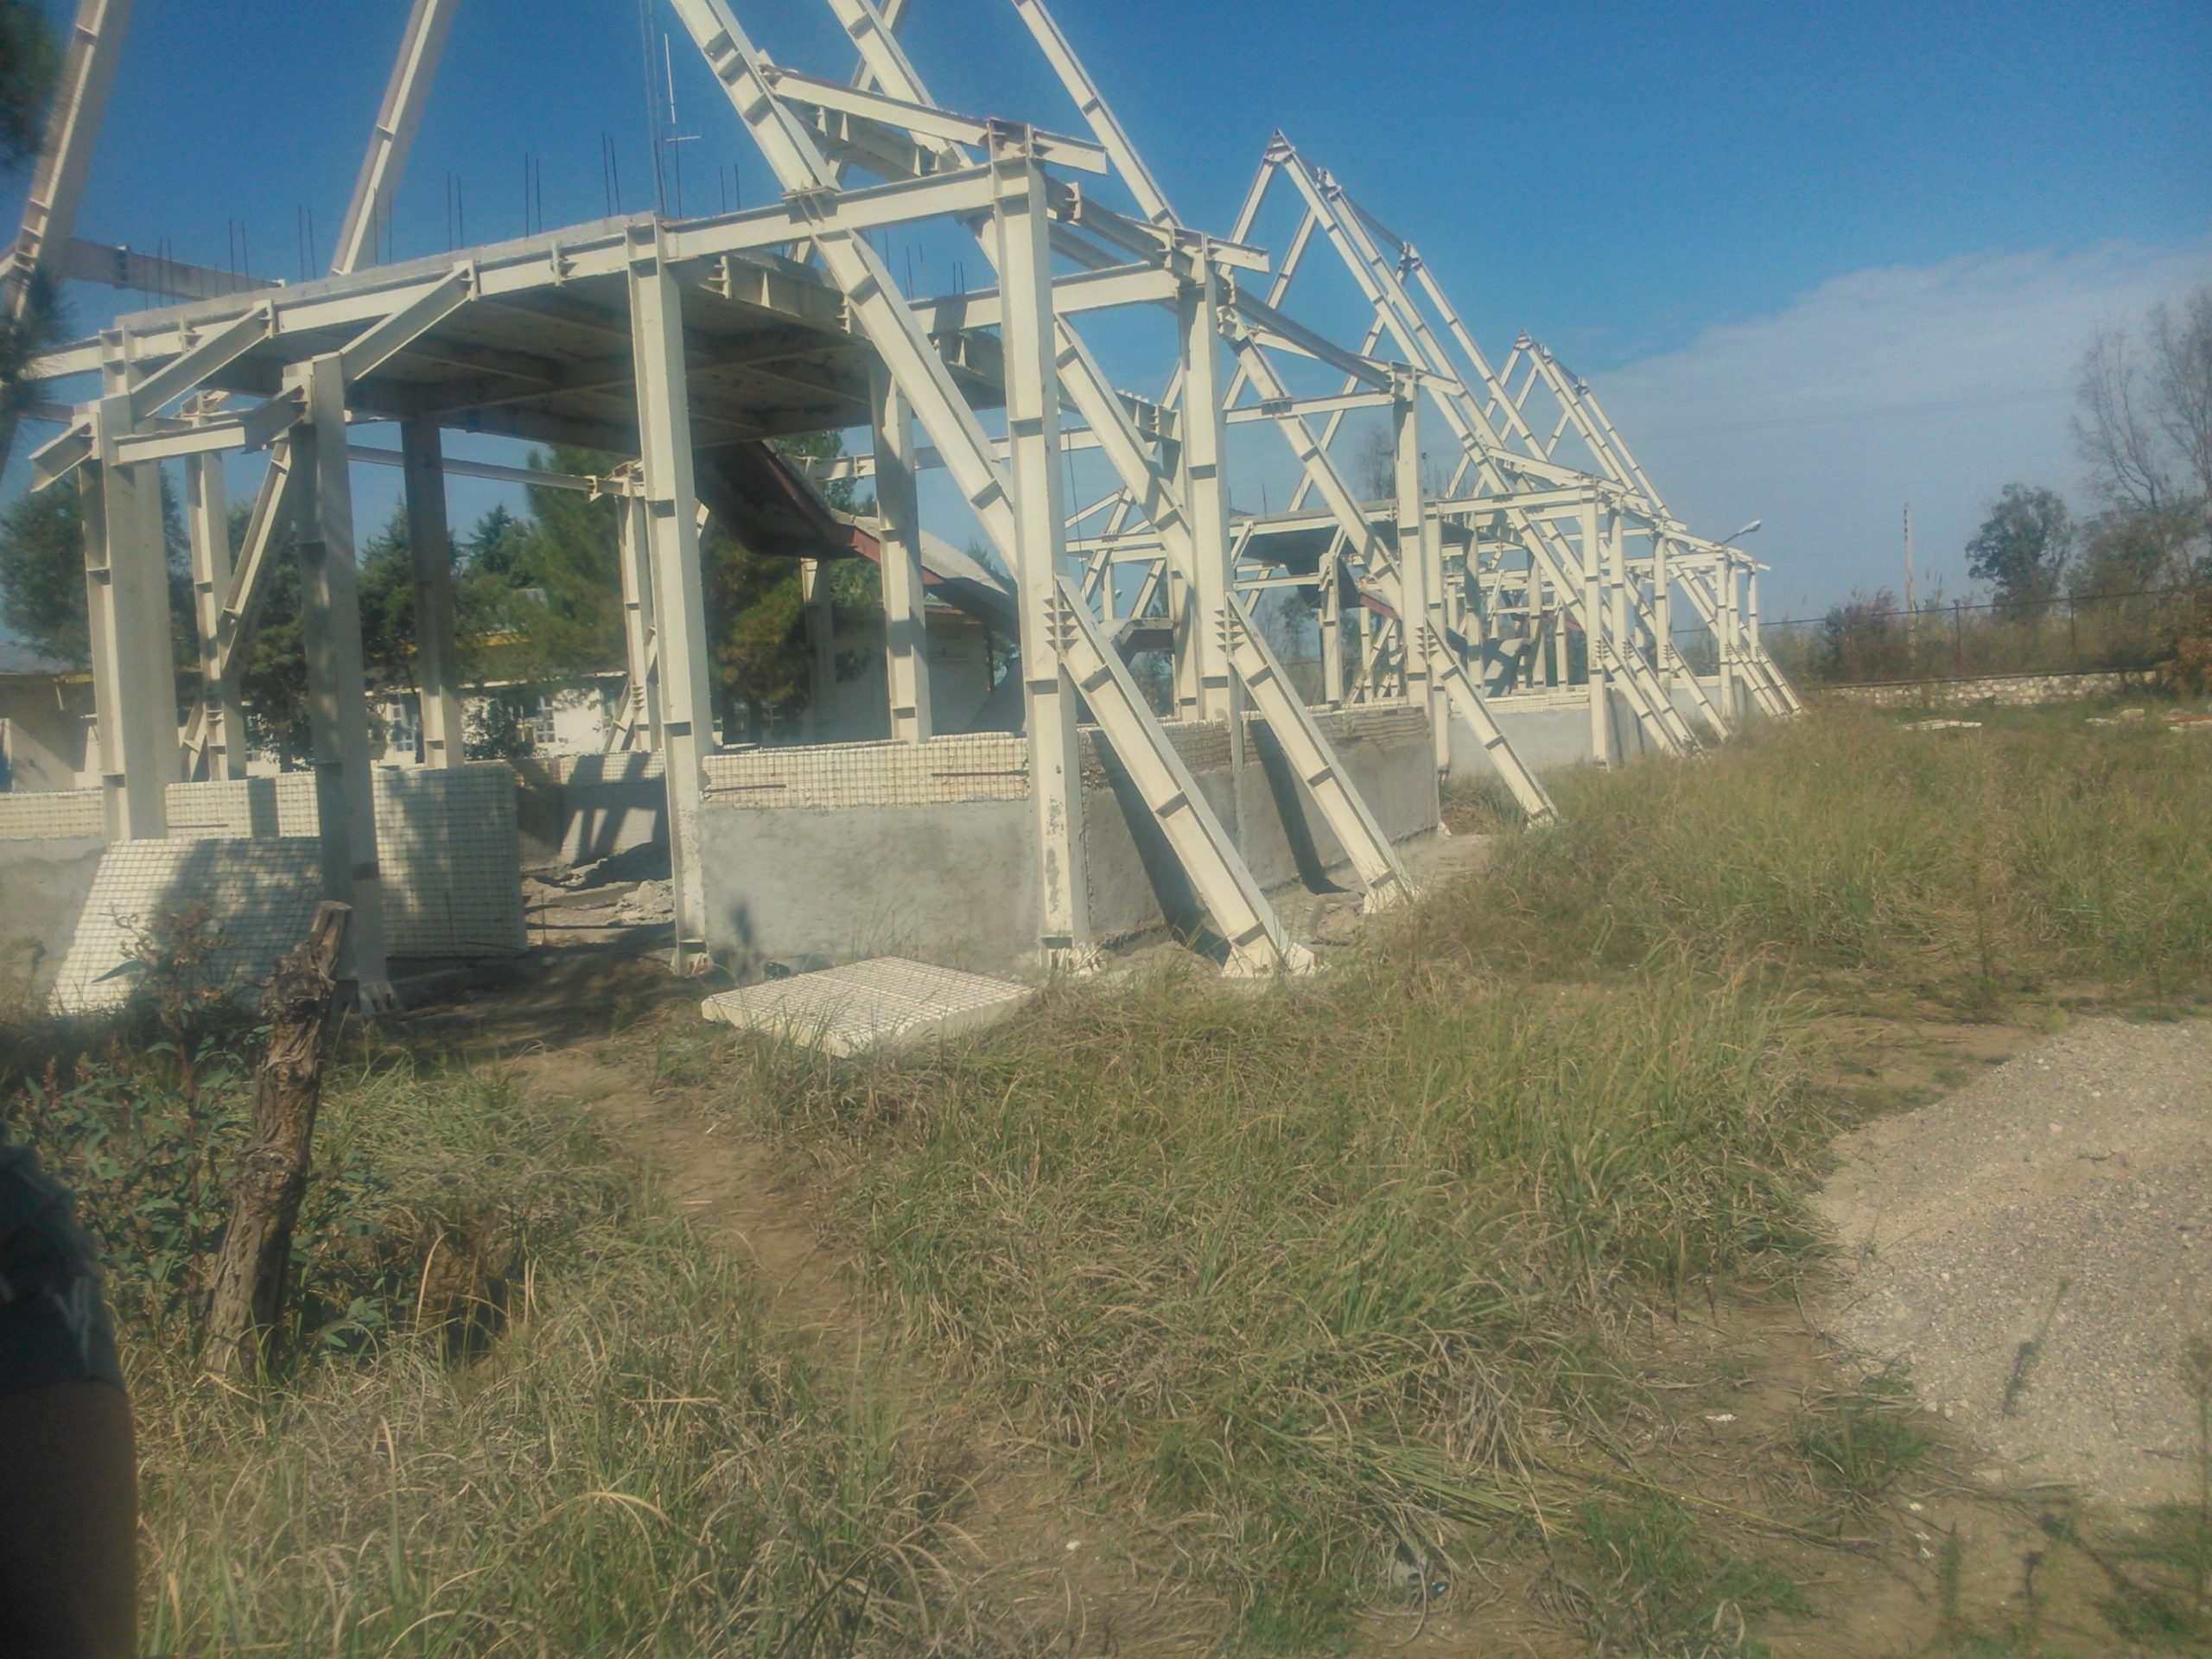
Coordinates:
[42,573]
[274,681]
[569,562]
[2021,548]
[1863,638]
[498,546]
[2126,552]
[30,62]
[755,614]
[756,611]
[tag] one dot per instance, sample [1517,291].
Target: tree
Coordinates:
[1863,638]
[1377,463]
[2144,422]
[756,613]
[2022,547]
[29,65]
[42,573]
[2127,552]
[273,681]
[569,563]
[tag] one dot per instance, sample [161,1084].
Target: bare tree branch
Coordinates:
[2181,380]
[2119,445]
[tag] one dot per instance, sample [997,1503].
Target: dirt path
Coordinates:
[1037,1580]
[2035,1249]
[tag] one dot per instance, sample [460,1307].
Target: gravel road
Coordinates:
[2063,1200]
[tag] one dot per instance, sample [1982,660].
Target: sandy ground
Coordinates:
[2034,1251]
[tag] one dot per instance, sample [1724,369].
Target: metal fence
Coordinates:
[1862,644]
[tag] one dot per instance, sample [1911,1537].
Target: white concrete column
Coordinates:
[127,611]
[1562,673]
[1420,554]
[1205,493]
[671,512]
[1622,621]
[899,535]
[207,523]
[430,547]
[338,702]
[1033,419]
[634,553]
[1724,636]
[1332,627]
[1599,678]
[820,625]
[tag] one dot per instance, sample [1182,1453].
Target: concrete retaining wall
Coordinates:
[609,804]
[1135,882]
[940,865]
[50,814]
[1550,729]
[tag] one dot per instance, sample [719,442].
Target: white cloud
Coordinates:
[1933,385]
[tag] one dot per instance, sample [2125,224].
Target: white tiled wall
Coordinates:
[452,861]
[968,766]
[37,815]
[254,898]
[447,844]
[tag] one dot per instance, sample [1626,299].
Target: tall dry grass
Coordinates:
[1970,866]
[521,1410]
[1295,1282]
[1298,1279]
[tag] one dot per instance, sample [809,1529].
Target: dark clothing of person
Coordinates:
[54,1322]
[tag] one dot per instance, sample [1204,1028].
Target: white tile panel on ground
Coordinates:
[884,1002]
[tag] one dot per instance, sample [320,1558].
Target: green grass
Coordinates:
[1859,1444]
[1291,1276]
[1655,1581]
[530,1414]
[1970,867]
[1287,1280]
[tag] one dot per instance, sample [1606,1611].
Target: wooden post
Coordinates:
[249,1269]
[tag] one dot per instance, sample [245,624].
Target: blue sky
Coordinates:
[1818,259]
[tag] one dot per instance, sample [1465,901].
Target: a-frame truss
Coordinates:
[1543,541]
[688,343]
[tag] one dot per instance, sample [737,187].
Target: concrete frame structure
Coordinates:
[1536,540]
[691,344]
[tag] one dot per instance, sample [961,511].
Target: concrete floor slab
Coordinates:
[884,1002]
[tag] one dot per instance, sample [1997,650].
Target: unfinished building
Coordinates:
[1146,755]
